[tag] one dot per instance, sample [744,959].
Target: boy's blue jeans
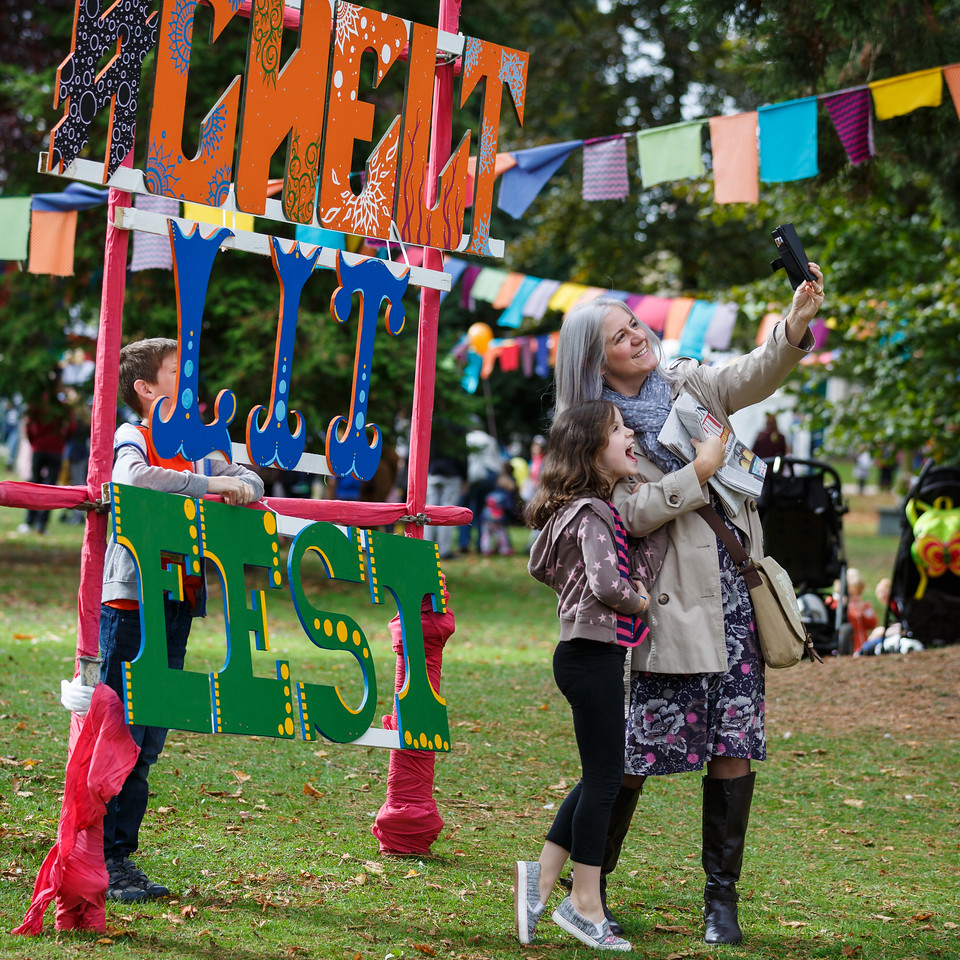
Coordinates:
[119,642]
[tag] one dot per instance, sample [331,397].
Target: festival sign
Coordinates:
[312,105]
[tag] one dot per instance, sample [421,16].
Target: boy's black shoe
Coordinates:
[127,882]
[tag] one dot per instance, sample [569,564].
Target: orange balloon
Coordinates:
[480,336]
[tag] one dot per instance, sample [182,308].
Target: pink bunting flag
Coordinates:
[736,158]
[153,251]
[850,111]
[605,174]
[52,236]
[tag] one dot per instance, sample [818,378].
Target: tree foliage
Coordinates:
[885,231]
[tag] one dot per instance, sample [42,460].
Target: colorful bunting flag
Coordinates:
[76,196]
[488,284]
[520,185]
[543,357]
[513,316]
[672,152]
[853,119]
[14,227]
[676,317]
[218,217]
[536,305]
[508,290]
[470,275]
[52,236]
[653,312]
[152,251]
[721,327]
[695,329]
[788,140]
[455,267]
[605,175]
[952,75]
[502,162]
[566,297]
[904,94]
[736,158]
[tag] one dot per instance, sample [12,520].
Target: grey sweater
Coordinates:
[131,467]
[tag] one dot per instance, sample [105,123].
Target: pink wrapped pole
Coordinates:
[409,822]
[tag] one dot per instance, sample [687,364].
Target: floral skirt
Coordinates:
[679,721]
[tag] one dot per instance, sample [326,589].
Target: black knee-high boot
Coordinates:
[726,811]
[620,816]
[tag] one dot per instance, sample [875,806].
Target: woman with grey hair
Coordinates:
[697,683]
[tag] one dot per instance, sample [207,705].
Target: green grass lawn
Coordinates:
[267,846]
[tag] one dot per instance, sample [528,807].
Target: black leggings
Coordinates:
[589,674]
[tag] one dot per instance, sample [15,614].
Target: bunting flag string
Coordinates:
[687,326]
[774,144]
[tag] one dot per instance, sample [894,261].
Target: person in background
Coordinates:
[498,510]
[770,441]
[484,462]
[50,424]
[446,477]
[860,613]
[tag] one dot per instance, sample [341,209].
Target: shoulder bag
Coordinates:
[783,638]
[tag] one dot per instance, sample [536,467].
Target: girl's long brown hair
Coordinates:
[570,470]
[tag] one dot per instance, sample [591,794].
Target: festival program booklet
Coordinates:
[742,471]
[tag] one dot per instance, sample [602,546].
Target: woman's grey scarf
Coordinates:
[646,414]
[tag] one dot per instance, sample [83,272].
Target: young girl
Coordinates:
[582,554]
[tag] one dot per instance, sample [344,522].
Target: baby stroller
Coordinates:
[801,508]
[926,572]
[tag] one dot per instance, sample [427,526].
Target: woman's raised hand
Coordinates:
[807,301]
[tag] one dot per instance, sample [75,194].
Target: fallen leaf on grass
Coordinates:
[189,911]
[104,940]
[920,917]
[425,948]
[309,790]
[410,873]
[850,802]
[793,924]
[670,928]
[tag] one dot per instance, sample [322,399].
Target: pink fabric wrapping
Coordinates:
[40,496]
[73,871]
[408,821]
[359,514]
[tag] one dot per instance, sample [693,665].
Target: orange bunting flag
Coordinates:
[736,158]
[952,75]
[52,236]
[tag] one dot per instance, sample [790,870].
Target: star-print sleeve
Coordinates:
[601,567]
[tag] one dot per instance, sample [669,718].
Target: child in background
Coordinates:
[582,554]
[498,506]
[148,372]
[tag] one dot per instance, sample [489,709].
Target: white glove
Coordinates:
[75,696]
